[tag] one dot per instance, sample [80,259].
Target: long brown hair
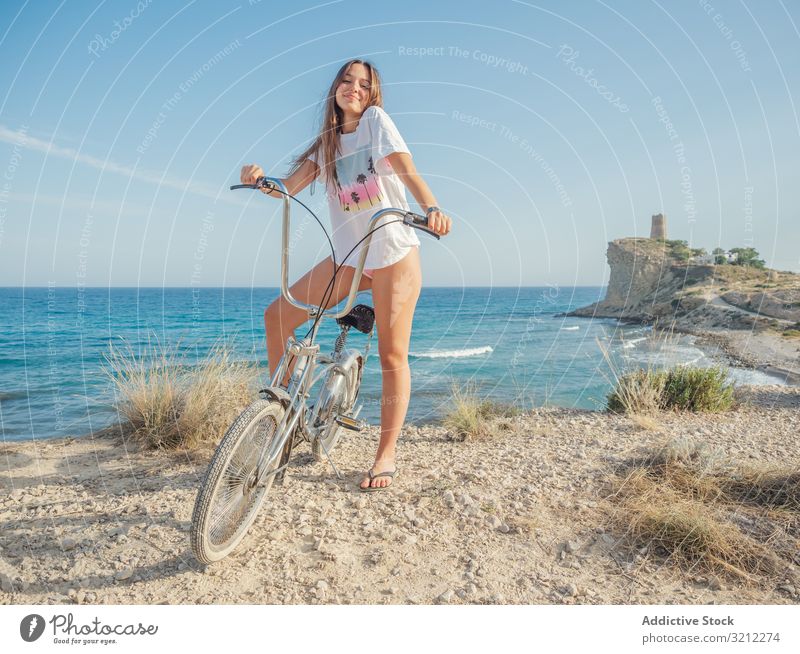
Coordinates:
[326,145]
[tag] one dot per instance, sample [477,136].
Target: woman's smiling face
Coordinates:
[354,90]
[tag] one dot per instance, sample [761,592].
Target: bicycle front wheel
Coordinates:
[231,496]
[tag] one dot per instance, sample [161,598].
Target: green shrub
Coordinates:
[682,388]
[697,389]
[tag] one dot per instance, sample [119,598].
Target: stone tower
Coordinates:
[658,228]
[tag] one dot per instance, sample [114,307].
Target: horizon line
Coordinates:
[270,287]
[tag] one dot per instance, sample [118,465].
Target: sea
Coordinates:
[504,343]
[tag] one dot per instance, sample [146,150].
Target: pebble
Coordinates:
[448,497]
[788,588]
[504,528]
[445,597]
[464,499]
[571,546]
[5,583]
[69,544]
[571,590]
[493,521]
[125,573]
[322,585]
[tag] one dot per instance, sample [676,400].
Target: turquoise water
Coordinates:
[506,340]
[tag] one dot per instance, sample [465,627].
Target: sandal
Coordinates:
[372,489]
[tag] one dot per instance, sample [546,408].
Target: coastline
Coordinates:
[762,351]
[521,518]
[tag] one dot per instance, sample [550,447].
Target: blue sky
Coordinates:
[544,129]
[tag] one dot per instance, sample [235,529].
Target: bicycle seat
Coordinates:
[361,316]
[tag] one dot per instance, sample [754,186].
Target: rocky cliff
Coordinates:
[651,281]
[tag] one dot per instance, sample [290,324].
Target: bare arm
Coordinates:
[403,166]
[296,182]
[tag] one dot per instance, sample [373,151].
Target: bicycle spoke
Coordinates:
[233,501]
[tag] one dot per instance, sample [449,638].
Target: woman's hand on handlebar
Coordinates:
[250,174]
[439,223]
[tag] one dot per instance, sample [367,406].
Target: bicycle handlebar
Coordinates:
[408,217]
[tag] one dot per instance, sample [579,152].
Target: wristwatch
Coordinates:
[434,208]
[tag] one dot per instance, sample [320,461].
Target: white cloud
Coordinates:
[28,142]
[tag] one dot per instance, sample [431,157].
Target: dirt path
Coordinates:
[722,303]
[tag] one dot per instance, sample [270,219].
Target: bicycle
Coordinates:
[254,452]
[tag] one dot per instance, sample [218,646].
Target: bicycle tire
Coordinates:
[220,519]
[334,431]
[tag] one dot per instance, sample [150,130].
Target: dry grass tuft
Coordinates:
[645,421]
[168,403]
[770,487]
[473,417]
[684,499]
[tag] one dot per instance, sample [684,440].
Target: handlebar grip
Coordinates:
[261,182]
[419,222]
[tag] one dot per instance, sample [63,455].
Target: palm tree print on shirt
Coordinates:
[362,179]
[357,190]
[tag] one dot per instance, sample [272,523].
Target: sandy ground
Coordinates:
[519,518]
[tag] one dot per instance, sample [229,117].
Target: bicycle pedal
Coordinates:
[349,423]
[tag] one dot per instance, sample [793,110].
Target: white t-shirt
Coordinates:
[368,184]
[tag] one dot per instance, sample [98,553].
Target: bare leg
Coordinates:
[282,318]
[395,291]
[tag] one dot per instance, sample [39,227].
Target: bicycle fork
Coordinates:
[293,400]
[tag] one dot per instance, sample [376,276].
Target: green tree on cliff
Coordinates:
[747,257]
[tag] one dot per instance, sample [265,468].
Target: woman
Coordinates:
[364,163]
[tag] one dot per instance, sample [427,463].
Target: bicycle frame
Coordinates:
[306,351]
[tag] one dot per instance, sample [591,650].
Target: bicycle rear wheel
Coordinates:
[330,433]
[229,498]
